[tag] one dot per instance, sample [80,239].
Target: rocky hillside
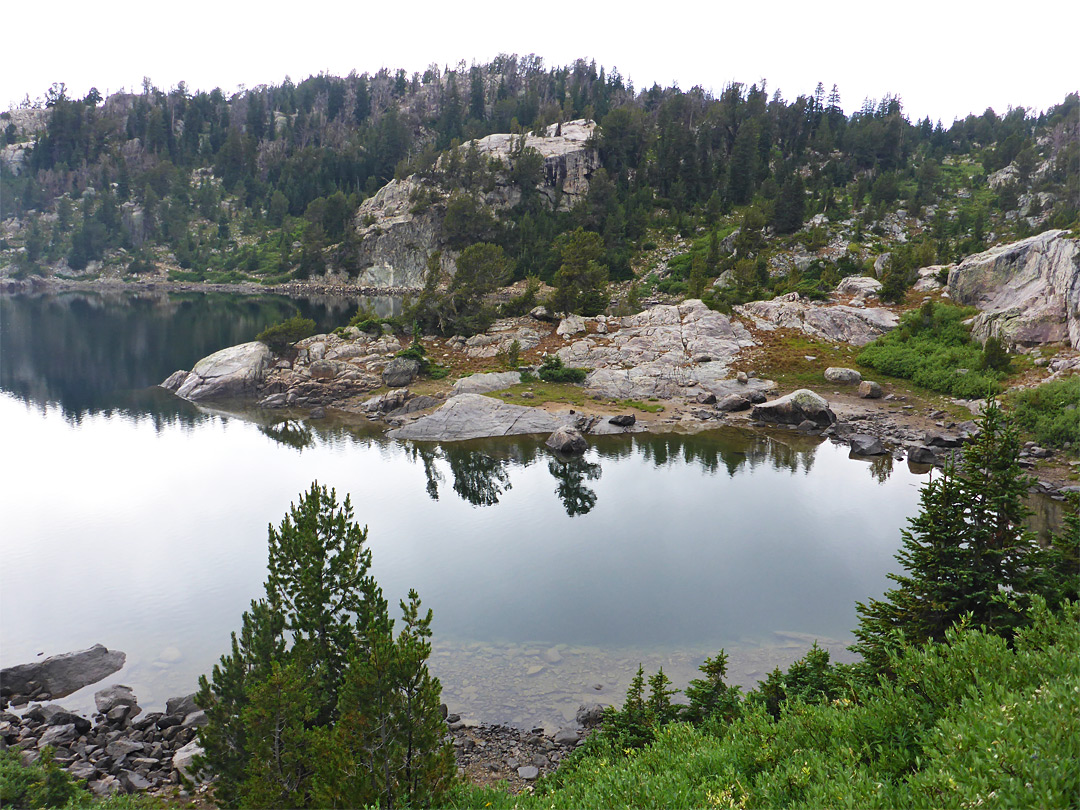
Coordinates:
[361,180]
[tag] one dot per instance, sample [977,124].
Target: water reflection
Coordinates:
[572,473]
[880,466]
[290,433]
[91,351]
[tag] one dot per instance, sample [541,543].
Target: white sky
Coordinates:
[945,58]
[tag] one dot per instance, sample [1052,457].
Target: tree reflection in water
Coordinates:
[571,474]
[478,478]
[290,433]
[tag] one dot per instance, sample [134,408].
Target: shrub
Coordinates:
[933,348]
[552,370]
[282,335]
[1050,412]
[42,784]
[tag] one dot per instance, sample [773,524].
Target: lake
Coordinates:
[138,521]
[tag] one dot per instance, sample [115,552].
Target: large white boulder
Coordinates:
[232,372]
[1028,292]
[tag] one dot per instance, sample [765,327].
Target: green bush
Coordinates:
[1049,412]
[282,335]
[552,370]
[42,784]
[933,348]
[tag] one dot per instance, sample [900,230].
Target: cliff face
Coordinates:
[1028,292]
[401,226]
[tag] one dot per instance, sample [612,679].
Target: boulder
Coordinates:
[571,325]
[474,416]
[794,408]
[567,736]
[229,373]
[860,286]
[112,696]
[400,372]
[939,439]
[848,376]
[485,383]
[134,782]
[589,714]
[58,735]
[196,719]
[120,748]
[184,758]
[863,444]
[59,716]
[920,454]
[733,402]
[60,675]
[384,403]
[623,420]
[81,769]
[868,389]
[1028,292]
[567,440]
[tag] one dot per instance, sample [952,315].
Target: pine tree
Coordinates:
[966,548]
[710,697]
[318,703]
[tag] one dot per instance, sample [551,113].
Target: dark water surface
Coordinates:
[139,521]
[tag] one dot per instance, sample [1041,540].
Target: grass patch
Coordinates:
[563,393]
[644,407]
[1050,413]
[783,359]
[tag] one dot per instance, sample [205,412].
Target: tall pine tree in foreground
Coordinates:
[318,703]
[967,552]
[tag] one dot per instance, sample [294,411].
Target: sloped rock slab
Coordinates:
[484,383]
[664,352]
[473,416]
[60,675]
[838,324]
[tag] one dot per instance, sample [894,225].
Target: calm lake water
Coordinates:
[139,521]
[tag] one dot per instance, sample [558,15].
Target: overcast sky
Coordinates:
[944,58]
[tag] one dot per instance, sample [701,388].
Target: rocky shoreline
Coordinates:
[121,749]
[294,289]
